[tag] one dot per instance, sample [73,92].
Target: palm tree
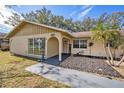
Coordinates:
[104,32]
[98,35]
[122,47]
[112,38]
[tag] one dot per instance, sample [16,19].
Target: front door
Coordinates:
[70,48]
[65,46]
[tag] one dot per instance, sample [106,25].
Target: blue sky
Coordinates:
[76,12]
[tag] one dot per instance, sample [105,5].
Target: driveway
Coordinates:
[73,78]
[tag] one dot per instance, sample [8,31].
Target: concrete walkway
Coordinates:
[73,78]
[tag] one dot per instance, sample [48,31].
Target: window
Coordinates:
[83,43]
[79,43]
[76,44]
[36,46]
[30,46]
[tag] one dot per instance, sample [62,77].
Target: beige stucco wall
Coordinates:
[18,45]
[96,50]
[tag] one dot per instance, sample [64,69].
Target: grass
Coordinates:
[13,74]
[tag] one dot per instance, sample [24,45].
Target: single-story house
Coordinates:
[34,40]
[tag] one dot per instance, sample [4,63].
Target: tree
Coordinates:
[68,24]
[14,20]
[122,47]
[113,24]
[88,24]
[98,34]
[101,33]
[107,31]
[45,16]
[113,38]
[57,21]
[77,26]
[30,17]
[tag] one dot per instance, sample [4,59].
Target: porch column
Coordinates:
[68,46]
[46,48]
[60,49]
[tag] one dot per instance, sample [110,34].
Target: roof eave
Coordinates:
[9,34]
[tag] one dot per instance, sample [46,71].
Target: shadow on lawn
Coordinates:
[7,73]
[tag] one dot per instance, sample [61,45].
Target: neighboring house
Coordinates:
[33,39]
[4,43]
[1,38]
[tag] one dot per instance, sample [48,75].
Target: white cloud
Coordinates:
[85,11]
[81,12]
[18,6]
[85,7]
[73,13]
[5,13]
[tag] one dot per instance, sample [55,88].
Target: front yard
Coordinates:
[13,74]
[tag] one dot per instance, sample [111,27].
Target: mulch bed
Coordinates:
[93,65]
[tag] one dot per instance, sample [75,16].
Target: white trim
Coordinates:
[33,46]
[60,49]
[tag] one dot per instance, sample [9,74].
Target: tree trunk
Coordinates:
[122,60]
[110,53]
[107,56]
[114,54]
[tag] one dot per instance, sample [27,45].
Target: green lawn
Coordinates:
[13,74]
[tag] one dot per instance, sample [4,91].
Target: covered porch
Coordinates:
[55,59]
[57,48]
[52,47]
